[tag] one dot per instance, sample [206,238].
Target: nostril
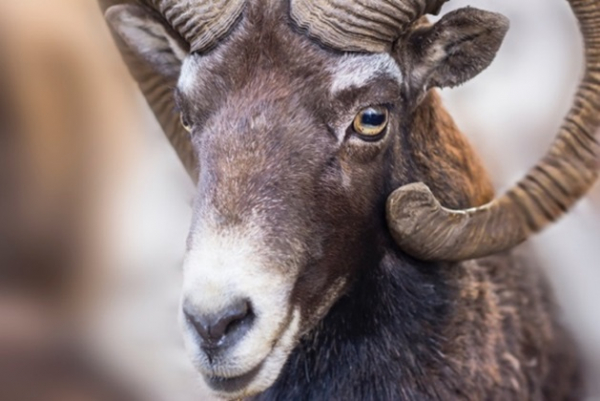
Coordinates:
[231,318]
[230,324]
[198,323]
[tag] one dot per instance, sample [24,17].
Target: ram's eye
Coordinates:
[185,123]
[371,122]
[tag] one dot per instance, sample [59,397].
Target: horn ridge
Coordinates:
[200,22]
[389,28]
[563,176]
[359,25]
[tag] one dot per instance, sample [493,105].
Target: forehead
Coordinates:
[265,47]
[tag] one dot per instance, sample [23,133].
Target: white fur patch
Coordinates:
[223,265]
[189,74]
[193,68]
[356,70]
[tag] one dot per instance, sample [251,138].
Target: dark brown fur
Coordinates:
[266,140]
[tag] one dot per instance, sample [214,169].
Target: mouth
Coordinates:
[233,384]
[262,375]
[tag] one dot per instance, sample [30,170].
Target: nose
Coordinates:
[222,329]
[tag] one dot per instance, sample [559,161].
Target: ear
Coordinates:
[149,37]
[454,50]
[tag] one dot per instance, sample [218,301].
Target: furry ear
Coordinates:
[454,50]
[149,37]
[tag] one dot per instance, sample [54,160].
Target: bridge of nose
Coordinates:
[256,160]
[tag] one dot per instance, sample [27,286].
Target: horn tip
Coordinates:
[407,206]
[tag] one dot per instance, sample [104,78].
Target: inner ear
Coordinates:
[149,37]
[454,50]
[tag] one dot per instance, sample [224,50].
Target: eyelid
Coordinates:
[386,105]
[354,112]
[363,106]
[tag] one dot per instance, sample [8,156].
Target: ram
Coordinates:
[346,243]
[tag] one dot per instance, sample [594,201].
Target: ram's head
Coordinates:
[303,119]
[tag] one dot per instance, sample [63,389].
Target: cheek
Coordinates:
[317,292]
[363,169]
[348,219]
[363,184]
[360,153]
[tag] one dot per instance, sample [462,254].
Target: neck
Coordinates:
[378,342]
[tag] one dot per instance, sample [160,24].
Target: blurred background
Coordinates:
[94,205]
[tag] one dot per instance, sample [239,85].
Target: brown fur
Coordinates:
[266,135]
[445,159]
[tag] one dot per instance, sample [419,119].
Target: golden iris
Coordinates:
[371,121]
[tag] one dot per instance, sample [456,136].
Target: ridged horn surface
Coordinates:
[201,24]
[428,231]
[359,25]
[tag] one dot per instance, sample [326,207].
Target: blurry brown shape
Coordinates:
[595,198]
[64,109]
[39,360]
[64,102]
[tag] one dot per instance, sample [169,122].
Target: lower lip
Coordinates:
[232,384]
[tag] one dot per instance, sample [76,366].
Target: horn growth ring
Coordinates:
[359,25]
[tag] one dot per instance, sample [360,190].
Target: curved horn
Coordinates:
[426,230]
[201,23]
[359,25]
